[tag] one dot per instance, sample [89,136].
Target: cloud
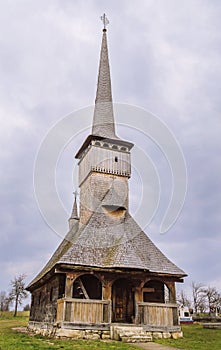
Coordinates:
[163,58]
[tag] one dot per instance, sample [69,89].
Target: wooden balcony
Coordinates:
[84,311]
[98,312]
[157,315]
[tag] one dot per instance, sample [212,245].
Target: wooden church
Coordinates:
[107,279]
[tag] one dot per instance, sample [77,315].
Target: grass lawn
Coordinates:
[10,340]
[196,338]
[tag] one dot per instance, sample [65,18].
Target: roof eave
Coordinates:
[100,138]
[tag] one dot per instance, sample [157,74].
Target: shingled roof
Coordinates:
[111,239]
[103,120]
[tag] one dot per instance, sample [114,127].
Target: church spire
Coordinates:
[74,213]
[103,121]
[103,126]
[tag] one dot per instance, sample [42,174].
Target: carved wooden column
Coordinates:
[107,295]
[106,290]
[138,298]
[138,294]
[70,277]
[172,288]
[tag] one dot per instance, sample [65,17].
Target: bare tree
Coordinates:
[198,297]
[183,300]
[202,304]
[18,292]
[213,298]
[4,301]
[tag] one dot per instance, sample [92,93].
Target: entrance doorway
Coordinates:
[123,301]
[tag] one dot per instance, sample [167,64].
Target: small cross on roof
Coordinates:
[75,193]
[104,20]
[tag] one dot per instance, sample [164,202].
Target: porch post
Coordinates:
[106,289]
[172,289]
[138,298]
[138,294]
[70,277]
[107,295]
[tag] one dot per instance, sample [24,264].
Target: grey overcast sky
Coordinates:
[165,57]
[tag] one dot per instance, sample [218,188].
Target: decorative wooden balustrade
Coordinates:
[86,311]
[90,311]
[157,314]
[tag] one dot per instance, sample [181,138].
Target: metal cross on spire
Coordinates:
[104,20]
[75,194]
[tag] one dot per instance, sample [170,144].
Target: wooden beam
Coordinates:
[83,288]
[148,290]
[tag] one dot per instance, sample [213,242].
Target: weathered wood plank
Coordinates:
[155,314]
[84,311]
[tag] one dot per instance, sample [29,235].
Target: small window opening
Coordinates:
[51,294]
[116,159]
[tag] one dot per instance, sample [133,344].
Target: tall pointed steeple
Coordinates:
[103,121]
[103,127]
[74,214]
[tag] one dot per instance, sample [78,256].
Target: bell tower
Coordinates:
[104,159]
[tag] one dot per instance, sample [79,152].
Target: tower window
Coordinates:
[97,143]
[114,147]
[123,149]
[105,145]
[116,159]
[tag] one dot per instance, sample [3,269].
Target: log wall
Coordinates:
[44,300]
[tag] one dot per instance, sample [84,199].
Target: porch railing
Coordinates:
[157,314]
[83,311]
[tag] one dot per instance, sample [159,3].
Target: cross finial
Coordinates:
[75,194]
[105,21]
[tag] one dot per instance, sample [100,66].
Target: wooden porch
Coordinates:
[99,312]
[84,311]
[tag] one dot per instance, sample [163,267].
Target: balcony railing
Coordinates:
[88,311]
[157,314]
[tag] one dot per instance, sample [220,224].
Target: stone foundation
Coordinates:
[56,331]
[125,333]
[139,334]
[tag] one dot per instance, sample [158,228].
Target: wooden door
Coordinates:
[123,301]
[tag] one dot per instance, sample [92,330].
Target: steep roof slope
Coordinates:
[115,240]
[111,239]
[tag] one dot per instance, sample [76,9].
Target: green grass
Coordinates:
[8,315]
[11,340]
[196,338]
